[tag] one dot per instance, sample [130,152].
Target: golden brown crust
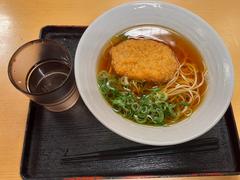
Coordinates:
[144,59]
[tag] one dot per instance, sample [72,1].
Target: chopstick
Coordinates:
[205,144]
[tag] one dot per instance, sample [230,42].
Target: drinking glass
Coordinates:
[43,71]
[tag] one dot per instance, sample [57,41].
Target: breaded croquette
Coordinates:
[144,59]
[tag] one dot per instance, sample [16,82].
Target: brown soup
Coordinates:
[183,48]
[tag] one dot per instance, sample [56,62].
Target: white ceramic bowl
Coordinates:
[208,42]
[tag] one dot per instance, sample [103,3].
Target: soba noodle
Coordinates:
[154,103]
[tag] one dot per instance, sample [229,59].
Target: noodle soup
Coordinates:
[142,92]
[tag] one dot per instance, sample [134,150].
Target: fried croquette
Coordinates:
[144,59]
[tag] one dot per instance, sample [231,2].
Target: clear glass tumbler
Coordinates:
[43,70]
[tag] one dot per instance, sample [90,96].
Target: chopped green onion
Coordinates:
[151,108]
[183,103]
